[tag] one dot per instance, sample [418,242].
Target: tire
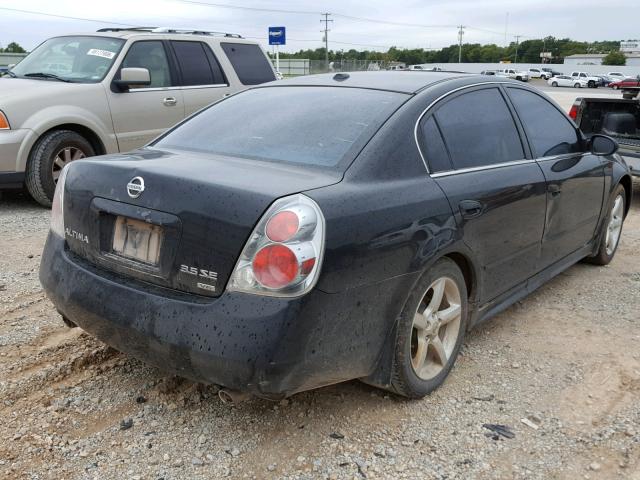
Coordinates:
[591,84]
[608,244]
[615,87]
[42,165]
[433,369]
[554,84]
[577,85]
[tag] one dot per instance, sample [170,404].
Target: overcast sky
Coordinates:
[485,20]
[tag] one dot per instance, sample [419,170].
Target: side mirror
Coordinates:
[602,145]
[133,77]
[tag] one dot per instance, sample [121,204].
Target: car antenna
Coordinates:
[340,77]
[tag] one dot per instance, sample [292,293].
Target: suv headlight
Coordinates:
[57,207]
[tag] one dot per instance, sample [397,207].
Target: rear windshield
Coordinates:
[317,126]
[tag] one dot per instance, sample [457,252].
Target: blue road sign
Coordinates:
[277,36]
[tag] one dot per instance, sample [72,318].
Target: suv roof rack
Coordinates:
[182,31]
[126,29]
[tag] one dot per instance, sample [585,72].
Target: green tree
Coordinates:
[13,47]
[614,58]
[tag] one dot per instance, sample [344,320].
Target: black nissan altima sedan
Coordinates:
[332,227]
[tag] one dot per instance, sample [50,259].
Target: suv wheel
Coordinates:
[47,159]
[591,84]
[430,330]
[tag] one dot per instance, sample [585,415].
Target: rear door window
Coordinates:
[433,146]
[479,130]
[549,131]
[197,63]
[249,62]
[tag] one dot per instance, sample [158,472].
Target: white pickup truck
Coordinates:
[592,82]
[513,74]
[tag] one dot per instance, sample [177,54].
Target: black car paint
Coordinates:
[206,227]
[387,221]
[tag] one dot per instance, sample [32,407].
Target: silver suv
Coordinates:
[112,91]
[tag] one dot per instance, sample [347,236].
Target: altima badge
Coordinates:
[135,187]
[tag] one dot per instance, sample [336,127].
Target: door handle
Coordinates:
[169,101]
[470,208]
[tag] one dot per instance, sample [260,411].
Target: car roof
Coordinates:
[398,81]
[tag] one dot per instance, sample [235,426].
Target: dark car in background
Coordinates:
[604,80]
[331,227]
[551,72]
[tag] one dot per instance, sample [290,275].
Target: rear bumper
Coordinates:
[271,347]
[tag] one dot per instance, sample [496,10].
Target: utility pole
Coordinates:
[326,21]
[515,60]
[460,34]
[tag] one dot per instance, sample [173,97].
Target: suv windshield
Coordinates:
[70,59]
[317,126]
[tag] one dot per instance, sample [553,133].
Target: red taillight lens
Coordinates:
[573,113]
[283,255]
[282,226]
[275,266]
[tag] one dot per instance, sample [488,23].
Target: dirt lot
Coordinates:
[567,359]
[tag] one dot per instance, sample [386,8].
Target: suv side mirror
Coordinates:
[133,77]
[602,145]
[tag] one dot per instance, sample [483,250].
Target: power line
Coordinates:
[240,7]
[389,22]
[65,16]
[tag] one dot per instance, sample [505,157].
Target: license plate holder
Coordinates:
[137,240]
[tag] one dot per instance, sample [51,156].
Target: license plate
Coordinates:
[137,240]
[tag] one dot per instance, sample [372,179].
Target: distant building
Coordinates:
[633,59]
[630,47]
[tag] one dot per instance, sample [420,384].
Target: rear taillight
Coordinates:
[57,206]
[573,112]
[284,253]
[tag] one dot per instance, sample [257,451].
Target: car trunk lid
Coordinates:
[185,228]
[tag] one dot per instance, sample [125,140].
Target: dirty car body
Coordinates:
[376,205]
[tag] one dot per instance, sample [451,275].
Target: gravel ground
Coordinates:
[565,359]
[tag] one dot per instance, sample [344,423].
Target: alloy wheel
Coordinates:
[62,158]
[615,225]
[435,329]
